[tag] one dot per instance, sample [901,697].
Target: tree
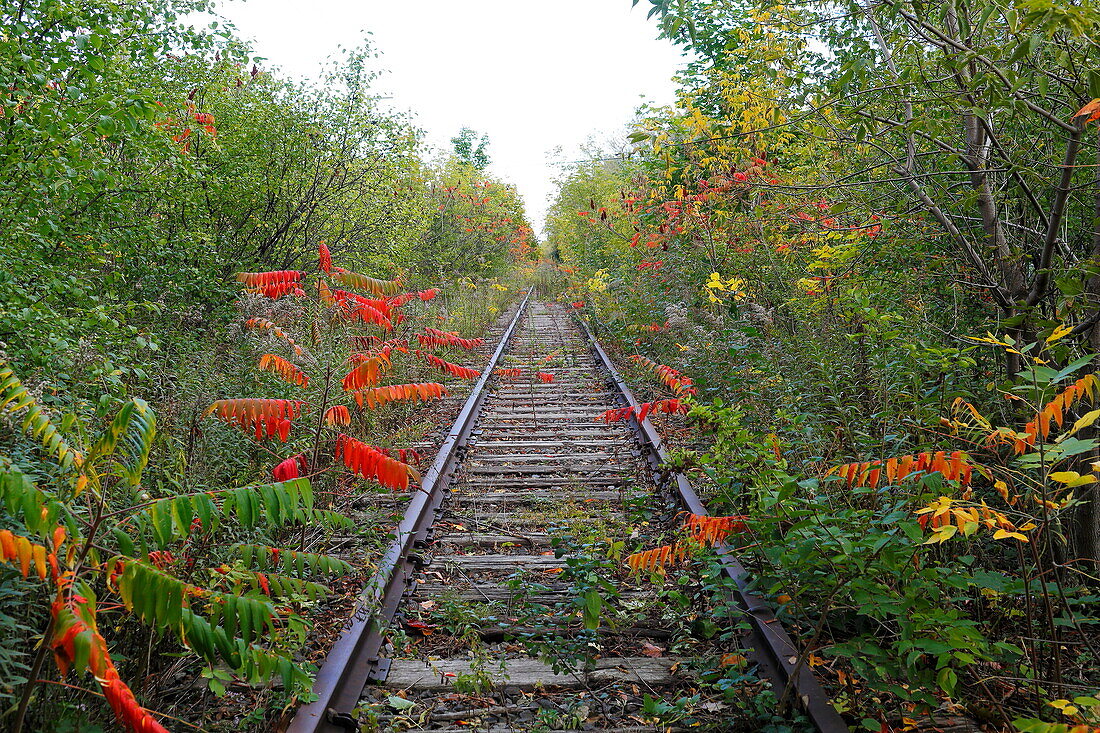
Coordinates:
[470,149]
[476,223]
[970,114]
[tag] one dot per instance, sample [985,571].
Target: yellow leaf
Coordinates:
[990,339]
[1001,534]
[1065,706]
[942,535]
[1072,479]
[939,506]
[1059,333]
[1083,422]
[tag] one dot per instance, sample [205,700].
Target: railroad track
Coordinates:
[489,610]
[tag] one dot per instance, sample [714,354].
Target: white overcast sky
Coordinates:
[534,75]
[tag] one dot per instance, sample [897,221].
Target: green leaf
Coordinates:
[1094,83]
[125,542]
[1073,367]
[593,603]
[947,680]
[205,510]
[161,516]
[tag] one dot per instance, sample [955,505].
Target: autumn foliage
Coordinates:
[947,517]
[366,373]
[1053,412]
[262,279]
[445,366]
[273,284]
[29,555]
[954,466]
[372,463]
[267,418]
[357,308]
[278,365]
[292,468]
[379,288]
[435,337]
[669,407]
[337,415]
[378,396]
[77,643]
[671,378]
[698,530]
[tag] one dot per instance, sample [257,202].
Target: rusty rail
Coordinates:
[769,645]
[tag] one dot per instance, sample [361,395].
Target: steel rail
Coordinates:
[354,659]
[769,645]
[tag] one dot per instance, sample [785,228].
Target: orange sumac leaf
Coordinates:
[399,300]
[337,415]
[16,548]
[644,410]
[657,559]
[357,308]
[291,468]
[75,617]
[267,418]
[366,373]
[955,466]
[265,279]
[435,337]
[278,290]
[373,463]
[379,396]
[617,415]
[671,378]
[278,365]
[711,530]
[445,366]
[376,345]
[1040,425]
[1090,112]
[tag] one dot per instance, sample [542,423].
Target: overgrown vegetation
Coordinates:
[860,251]
[867,231]
[143,162]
